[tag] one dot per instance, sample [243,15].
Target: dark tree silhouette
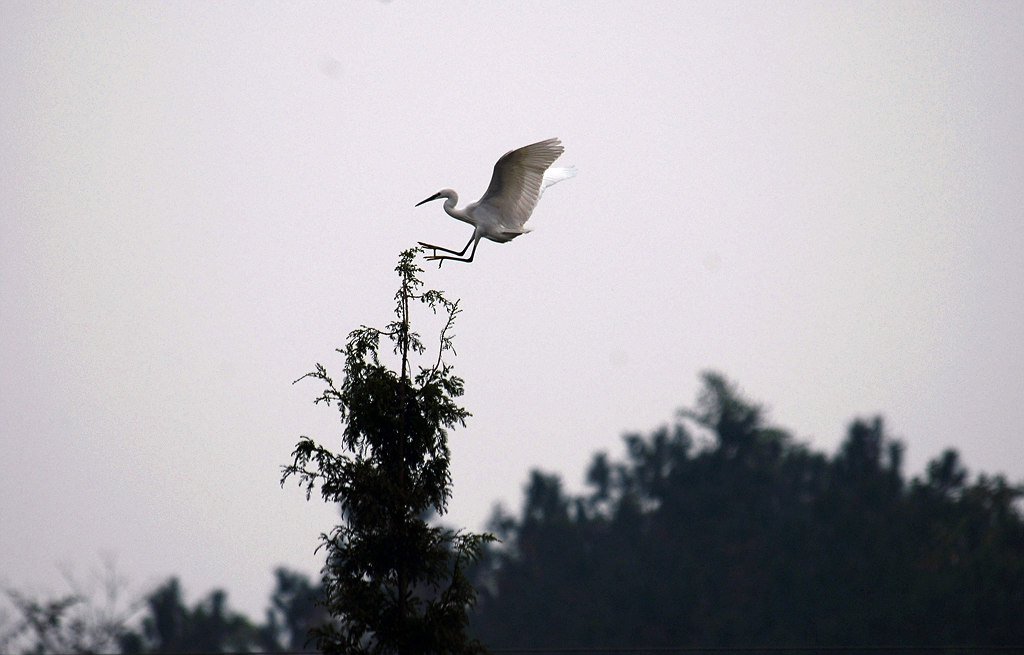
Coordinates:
[392,582]
[169,626]
[293,612]
[720,531]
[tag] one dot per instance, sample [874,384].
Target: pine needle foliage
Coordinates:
[392,582]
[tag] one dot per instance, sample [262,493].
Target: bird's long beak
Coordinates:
[433,197]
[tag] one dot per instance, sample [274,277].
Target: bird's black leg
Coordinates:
[459,253]
[440,258]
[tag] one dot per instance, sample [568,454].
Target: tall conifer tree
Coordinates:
[393,583]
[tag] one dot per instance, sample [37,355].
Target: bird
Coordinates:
[520,177]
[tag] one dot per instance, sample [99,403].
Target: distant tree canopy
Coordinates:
[169,626]
[720,531]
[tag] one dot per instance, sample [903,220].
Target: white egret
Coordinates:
[518,181]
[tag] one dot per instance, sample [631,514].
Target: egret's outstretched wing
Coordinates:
[516,183]
[554,176]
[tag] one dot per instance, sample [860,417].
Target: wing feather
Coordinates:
[516,182]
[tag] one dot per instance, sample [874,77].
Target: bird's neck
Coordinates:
[452,199]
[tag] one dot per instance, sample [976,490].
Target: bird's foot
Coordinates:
[433,253]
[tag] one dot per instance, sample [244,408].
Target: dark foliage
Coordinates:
[169,626]
[392,582]
[752,540]
[293,614]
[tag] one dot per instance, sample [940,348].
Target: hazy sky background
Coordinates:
[199,201]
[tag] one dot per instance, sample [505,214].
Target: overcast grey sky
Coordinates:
[200,200]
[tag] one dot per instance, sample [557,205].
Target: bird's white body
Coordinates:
[518,181]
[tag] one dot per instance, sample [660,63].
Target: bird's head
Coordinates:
[443,193]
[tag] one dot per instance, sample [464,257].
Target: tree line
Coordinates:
[87,621]
[718,530]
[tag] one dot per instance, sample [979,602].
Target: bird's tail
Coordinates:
[554,176]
